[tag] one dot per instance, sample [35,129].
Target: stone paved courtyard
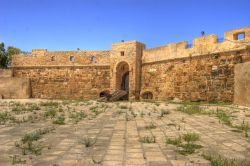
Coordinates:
[122,133]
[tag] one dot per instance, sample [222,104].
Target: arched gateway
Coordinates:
[122,77]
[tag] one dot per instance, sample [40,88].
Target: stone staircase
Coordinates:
[115,96]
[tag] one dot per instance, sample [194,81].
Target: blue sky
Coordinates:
[96,24]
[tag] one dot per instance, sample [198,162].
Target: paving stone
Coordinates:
[117,140]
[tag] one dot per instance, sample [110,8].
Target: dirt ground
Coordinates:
[64,132]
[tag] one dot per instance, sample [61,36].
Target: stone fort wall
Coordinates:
[200,78]
[66,74]
[42,57]
[242,84]
[210,44]
[75,82]
[204,71]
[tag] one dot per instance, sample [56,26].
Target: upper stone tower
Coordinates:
[125,67]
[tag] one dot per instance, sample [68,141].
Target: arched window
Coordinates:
[53,58]
[72,59]
[93,59]
[239,36]
[147,95]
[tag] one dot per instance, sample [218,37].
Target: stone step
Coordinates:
[115,96]
[118,94]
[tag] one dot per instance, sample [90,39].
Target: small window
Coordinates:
[93,59]
[72,59]
[53,58]
[239,36]
[122,53]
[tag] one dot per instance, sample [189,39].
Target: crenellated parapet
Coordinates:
[42,57]
[233,40]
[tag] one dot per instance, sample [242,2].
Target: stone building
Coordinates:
[203,71]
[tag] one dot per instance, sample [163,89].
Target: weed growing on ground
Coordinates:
[243,127]
[123,107]
[34,107]
[5,117]
[171,124]
[191,137]
[142,114]
[133,113]
[224,117]
[87,141]
[78,116]
[60,120]
[174,141]
[29,144]
[94,109]
[17,160]
[164,112]
[95,161]
[150,126]
[147,139]
[218,160]
[191,109]
[18,109]
[157,104]
[120,111]
[50,112]
[49,104]
[189,146]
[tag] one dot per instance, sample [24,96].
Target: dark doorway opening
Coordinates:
[125,82]
[122,78]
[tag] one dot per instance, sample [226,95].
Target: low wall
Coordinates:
[242,84]
[14,88]
[65,82]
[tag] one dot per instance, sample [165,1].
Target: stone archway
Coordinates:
[122,76]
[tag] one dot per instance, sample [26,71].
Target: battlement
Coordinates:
[233,40]
[42,57]
[39,52]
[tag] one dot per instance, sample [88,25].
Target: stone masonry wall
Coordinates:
[203,78]
[42,57]
[242,84]
[201,46]
[204,71]
[79,82]
[11,87]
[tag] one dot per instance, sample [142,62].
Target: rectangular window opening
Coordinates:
[122,53]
